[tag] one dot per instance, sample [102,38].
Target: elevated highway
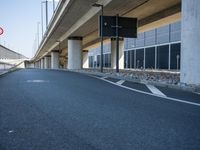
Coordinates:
[73,30]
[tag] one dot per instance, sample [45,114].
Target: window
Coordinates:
[125,59]
[140,58]
[162,57]
[90,61]
[150,58]
[98,60]
[175,56]
[132,59]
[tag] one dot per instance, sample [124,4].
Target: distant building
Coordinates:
[6,53]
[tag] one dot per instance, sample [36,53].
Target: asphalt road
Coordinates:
[59,110]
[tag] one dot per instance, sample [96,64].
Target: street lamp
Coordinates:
[53,6]
[46,3]
[100,5]
[38,37]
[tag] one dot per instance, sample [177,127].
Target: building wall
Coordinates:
[155,49]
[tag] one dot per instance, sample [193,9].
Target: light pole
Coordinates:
[101,29]
[42,17]
[38,36]
[53,6]
[46,4]
[46,13]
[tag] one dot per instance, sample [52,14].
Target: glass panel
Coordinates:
[125,59]
[98,60]
[163,35]
[175,56]
[140,58]
[150,58]
[162,57]
[132,58]
[129,61]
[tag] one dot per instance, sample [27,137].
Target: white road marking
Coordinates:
[197,93]
[36,81]
[103,77]
[120,82]
[154,90]
[11,131]
[164,97]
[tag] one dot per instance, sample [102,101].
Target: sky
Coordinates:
[19,20]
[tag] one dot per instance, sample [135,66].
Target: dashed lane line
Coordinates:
[120,82]
[154,90]
[139,91]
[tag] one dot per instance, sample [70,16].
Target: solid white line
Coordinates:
[154,90]
[120,82]
[197,93]
[164,97]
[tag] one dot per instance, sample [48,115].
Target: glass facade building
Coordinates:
[94,56]
[155,49]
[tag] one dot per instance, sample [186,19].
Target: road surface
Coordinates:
[60,110]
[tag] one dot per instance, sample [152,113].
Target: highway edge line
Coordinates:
[139,91]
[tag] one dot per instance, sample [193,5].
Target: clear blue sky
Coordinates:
[19,20]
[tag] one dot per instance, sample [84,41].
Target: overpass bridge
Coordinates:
[73,31]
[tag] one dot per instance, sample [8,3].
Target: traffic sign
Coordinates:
[127,27]
[1,31]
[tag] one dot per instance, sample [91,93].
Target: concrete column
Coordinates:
[190,47]
[54,60]
[85,59]
[49,62]
[75,53]
[113,53]
[42,63]
[46,62]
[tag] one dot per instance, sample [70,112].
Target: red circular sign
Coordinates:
[1,31]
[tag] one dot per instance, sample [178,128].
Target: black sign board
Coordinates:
[127,27]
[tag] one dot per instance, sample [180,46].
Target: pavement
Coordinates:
[61,110]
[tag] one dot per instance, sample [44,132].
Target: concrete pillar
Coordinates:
[75,53]
[113,53]
[190,47]
[46,62]
[85,59]
[42,63]
[54,60]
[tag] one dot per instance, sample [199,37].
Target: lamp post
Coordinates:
[100,5]
[46,4]
[46,13]
[53,6]
[38,36]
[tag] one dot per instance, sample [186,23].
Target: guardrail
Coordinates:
[11,68]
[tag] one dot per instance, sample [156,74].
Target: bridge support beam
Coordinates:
[113,53]
[75,53]
[47,62]
[42,63]
[190,35]
[55,60]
